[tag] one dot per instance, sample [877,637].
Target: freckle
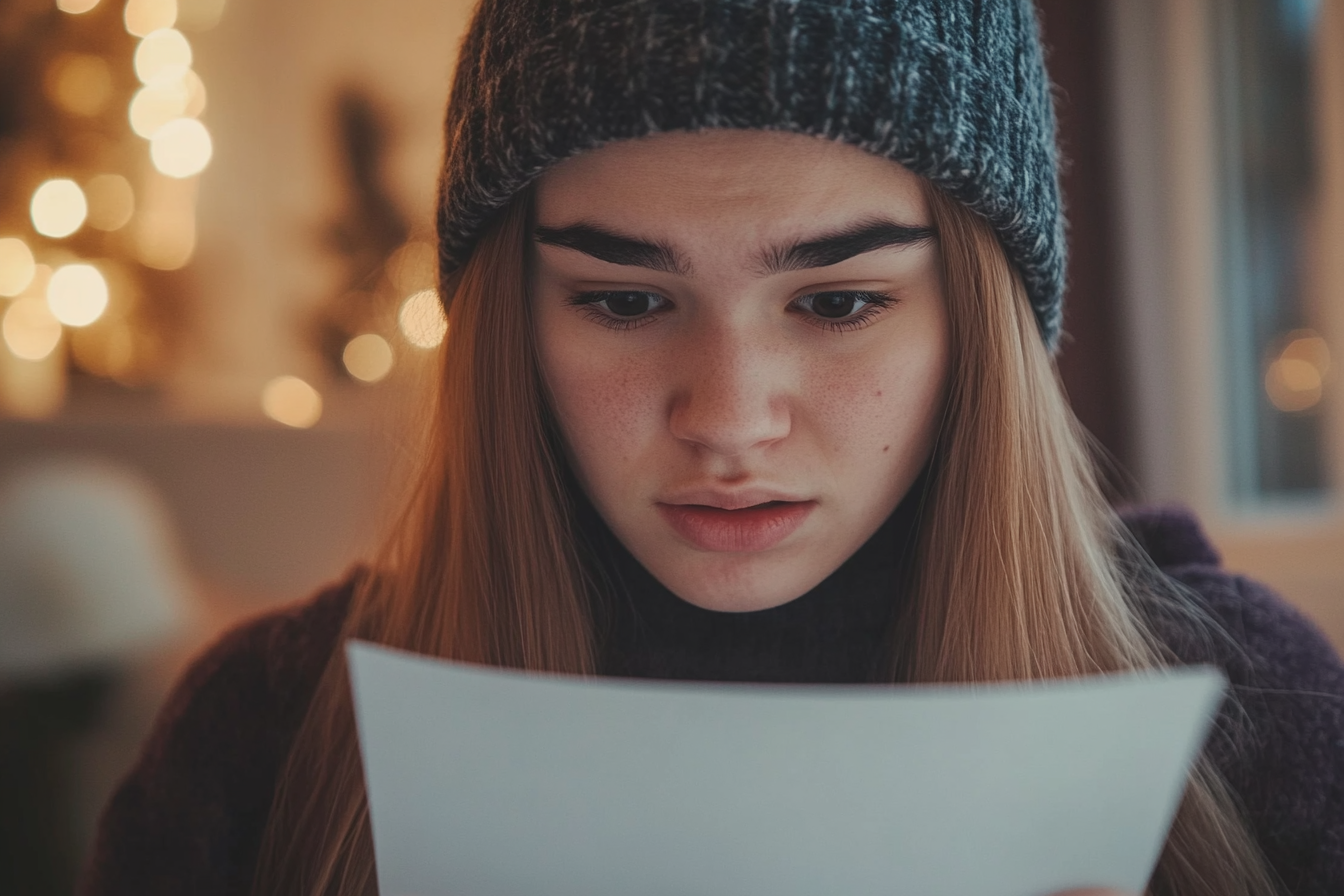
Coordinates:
[886,448]
[879,393]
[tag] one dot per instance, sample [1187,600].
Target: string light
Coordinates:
[195,88]
[29,328]
[17,266]
[156,104]
[111,201]
[421,319]
[181,148]
[77,294]
[291,401]
[160,52]
[368,357]
[143,17]
[76,7]
[58,208]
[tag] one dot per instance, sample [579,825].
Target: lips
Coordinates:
[745,528]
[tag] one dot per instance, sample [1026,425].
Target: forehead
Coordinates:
[748,183]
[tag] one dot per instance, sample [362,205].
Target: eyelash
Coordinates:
[874,304]
[586,301]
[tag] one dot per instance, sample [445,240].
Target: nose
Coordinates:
[732,395]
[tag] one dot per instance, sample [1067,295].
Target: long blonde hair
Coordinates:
[1022,571]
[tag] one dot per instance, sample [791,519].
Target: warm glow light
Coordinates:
[58,208]
[1307,345]
[79,83]
[291,401]
[143,17]
[29,329]
[156,104]
[111,201]
[1295,380]
[160,52]
[17,266]
[75,7]
[195,94]
[164,230]
[177,93]
[181,148]
[1293,384]
[421,319]
[77,294]
[368,357]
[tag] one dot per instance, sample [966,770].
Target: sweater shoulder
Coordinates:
[1280,739]
[1267,642]
[188,817]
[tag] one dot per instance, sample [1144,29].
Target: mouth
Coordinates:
[746,529]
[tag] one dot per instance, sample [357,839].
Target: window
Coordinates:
[1276,363]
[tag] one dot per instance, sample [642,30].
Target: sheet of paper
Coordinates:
[485,782]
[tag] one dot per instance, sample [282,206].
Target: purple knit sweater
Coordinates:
[189,815]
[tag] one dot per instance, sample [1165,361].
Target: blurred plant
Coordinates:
[387,276]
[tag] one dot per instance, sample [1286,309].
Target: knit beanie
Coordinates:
[954,90]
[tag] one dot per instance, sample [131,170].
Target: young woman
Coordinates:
[748,377]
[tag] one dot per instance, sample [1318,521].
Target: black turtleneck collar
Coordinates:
[837,632]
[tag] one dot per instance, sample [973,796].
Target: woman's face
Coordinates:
[746,345]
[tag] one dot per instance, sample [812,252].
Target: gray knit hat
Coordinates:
[954,90]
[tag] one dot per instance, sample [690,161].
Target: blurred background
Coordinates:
[216,311]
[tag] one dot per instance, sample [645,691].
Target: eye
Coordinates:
[842,309]
[620,309]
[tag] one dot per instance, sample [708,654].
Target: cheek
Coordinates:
[878,416]
[607,406]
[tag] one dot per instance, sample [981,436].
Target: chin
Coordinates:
[743,584]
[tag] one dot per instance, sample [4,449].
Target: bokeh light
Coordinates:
[181,148]
[195,88]
[291,401]
[157,103]
[143,17]
[58,208]
[111,201]
[17,266]
[1295,379]
[76,7]
[161,52]
[421,319]
[368,357]
[29,328]
[77,294]
[79,83]
[176,93]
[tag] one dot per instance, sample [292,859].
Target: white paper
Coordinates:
[486,782]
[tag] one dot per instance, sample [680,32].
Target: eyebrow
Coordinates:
[605,245]
[833,248]
[817,252]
